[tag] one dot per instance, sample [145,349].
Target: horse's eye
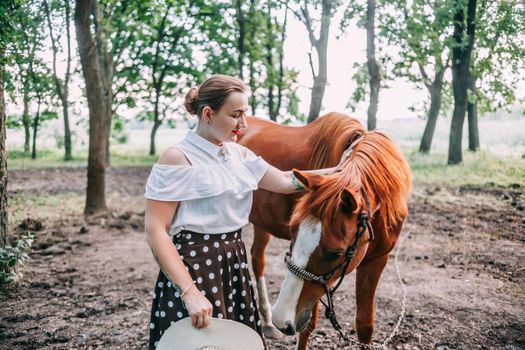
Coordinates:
[331,256]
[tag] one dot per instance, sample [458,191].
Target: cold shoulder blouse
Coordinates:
[215,192]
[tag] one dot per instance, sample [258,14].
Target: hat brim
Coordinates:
[220,333]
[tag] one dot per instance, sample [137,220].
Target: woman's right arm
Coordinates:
[158,219]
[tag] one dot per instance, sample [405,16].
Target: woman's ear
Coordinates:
[207,113]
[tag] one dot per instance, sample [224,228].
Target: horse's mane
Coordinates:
[334,133]
[375,167]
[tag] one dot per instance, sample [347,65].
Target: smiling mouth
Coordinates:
[236,132]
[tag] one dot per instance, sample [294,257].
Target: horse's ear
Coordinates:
[310,181]
[349,205]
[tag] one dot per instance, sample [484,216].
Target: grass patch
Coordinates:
[478,169]
[43,206]
[120,157]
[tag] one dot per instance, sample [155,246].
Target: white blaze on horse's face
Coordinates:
[308,238]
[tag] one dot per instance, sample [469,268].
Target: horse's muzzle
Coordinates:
[289,329]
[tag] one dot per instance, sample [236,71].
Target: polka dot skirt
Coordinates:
[218,263]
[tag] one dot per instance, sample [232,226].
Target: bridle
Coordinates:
[363,224]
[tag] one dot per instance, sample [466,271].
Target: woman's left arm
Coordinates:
[279,181]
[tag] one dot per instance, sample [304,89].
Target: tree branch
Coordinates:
[426,79]
[307,20]
[311,64]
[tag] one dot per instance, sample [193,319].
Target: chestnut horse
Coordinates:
[330,221]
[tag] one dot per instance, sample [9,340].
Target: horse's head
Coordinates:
[330,232]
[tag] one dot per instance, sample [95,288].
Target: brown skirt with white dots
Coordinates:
[218,265]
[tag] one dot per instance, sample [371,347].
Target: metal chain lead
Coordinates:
[374,346]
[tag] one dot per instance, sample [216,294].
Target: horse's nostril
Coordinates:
[289,330]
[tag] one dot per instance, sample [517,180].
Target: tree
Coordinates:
[42,87]
[3,154]
[98,128]
[165,58]
[61,87]
[30,76]
[8,11]
[421,31]
[499,41]
[464,30]
[320,43]
[27,40]
[373,66]
[278,79]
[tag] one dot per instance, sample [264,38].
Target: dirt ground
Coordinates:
[89,282]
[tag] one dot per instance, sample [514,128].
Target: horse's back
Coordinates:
[282,146]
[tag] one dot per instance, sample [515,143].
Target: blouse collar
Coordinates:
[205,145]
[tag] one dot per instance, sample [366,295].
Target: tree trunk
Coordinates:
[98,131]
[152,149]
[35,127]
[3,159]
[105,63]
[26,121]
[373,67]
[67,131]
[156,120]
[461,55]
[281,61]
[321,47]
[68,155]
[61,90]
[241,21]
[472,113]
[436,90]
[253,100]
[270,44]
[251,67]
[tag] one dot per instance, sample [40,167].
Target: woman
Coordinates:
[199,196]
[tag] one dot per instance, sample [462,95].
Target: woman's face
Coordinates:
[226,123]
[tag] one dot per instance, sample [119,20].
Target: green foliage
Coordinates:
[119,132]
[9,12]
[14,121]
[499,53]
[360,78]
[12,258]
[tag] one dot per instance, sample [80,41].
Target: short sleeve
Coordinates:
[256,165]
[186,182]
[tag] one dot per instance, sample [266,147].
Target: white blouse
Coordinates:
[215,191]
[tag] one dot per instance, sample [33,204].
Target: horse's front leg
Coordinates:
[367,278]
[260,241]
[305,334]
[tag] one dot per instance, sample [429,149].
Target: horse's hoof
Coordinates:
[271,332]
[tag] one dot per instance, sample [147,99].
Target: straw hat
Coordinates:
[220,334]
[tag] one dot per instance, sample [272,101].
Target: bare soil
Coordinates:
[89,281]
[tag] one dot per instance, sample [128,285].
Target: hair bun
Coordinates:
[191,102]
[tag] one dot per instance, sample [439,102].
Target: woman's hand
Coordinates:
[198,306]
[344,158]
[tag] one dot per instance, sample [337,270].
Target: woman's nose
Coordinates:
[243,123]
